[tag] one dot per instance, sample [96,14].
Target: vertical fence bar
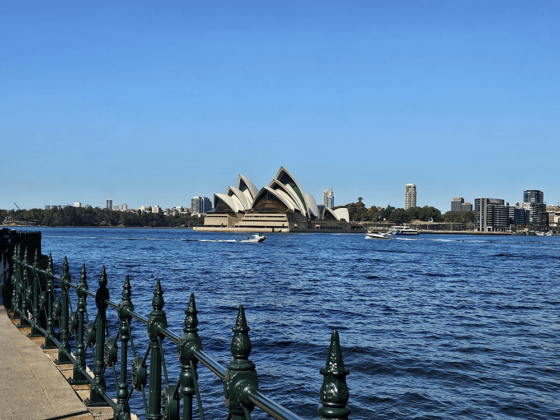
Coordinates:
[49,337]
[23,291]
[35,301]
[98,385]
[122,410]
[334,392]
[64,347]
[15,283]
[78,378]
[156,321]
[189,343]
[241,373]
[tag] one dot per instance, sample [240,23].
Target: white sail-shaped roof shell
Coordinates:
[239,195]
[283,171]
[251,191]
[288,193]
[343,214]
[229,201]
[312,205]
[330,211]
[281,195]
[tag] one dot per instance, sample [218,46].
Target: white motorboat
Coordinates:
[378,235]
[255,239]
[402,231]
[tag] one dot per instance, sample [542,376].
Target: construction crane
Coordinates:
[17,205]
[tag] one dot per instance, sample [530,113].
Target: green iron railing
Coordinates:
[35,303]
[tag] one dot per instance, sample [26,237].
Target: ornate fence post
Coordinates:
[241,373]
[49,343]
[24,292]
[78,377]
[35,288]
[16,280]
[156,322]
[122,411]
[98,386]
[64,347]
[189,343]
[334,392]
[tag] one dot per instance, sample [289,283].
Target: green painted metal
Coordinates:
[78,375]
[98,386]
[50,336]
[15,282]
[122,411]
[189,343]
[35,298]
[156,322]
[63,321]
[24,291]
[334,392]
[241,375]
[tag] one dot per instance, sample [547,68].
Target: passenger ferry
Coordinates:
[402,231]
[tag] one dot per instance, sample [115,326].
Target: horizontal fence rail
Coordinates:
[35,303]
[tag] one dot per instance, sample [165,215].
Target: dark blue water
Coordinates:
[443,326]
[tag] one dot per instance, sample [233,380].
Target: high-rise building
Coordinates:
[109,204]
[124,207]
[47,207]
[518,216]
[533,196]
[116,207]
[77,204]
[200,205]
[466,206]
[328,198]
[156,209]
[490,215]
[456,204]
[409,196]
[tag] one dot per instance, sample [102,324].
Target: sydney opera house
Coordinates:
[281,206]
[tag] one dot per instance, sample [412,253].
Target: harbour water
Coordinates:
[433,327]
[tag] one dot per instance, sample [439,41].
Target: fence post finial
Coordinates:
[334,392]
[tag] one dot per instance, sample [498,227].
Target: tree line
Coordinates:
[359,212]
[94,217]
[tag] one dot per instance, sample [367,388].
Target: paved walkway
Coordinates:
[31,386]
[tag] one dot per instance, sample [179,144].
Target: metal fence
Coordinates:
[35,303]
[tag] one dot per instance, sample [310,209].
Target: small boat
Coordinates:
[378,235]
[402,231]
[256,239]
[549,233]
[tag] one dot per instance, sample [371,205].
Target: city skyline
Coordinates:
[158,105]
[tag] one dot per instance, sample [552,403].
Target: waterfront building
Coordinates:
[109,204]
[466,206]
[533,196]
[124,207]
[281,206]
[77,204]
[518,216]
[533,200]
[457,203]
[409,196]
[156,209]
[142,208]
[553,215]
[491,215]
[328,198]
[201,205]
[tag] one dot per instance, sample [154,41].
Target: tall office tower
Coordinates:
[533,200]
[533,196]
[328,198]
[109,204]
[124,207]
[77,204]
[457,203]
[466,206]
[200,205]
[490,215]
[409,196]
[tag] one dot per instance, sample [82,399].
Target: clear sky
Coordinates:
[151,102]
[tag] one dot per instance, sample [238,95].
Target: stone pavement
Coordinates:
[31,386]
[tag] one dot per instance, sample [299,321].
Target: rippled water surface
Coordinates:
[442,326]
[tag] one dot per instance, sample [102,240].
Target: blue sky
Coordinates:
[155,102]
